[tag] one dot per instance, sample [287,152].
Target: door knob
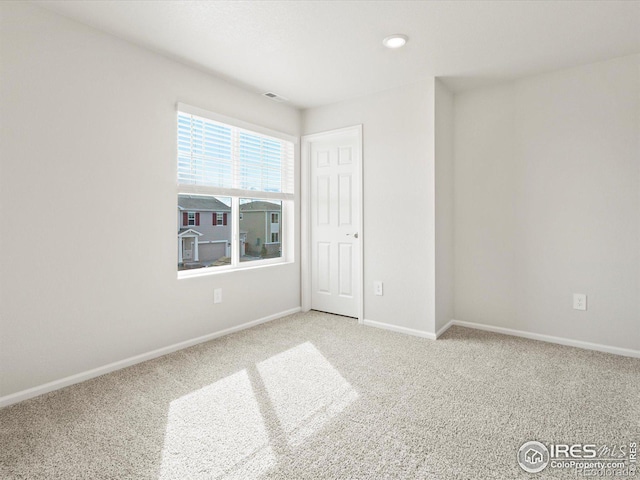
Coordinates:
[355,235]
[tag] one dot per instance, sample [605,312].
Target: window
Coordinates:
[242,178]
[220,219]
[274,228]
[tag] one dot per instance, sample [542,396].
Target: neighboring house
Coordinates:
[261,221]
[204,230]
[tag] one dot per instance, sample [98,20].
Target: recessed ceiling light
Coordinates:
[396,40]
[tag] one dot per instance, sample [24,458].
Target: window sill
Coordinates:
[253,265]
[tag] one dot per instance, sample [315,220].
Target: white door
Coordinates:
[335,237]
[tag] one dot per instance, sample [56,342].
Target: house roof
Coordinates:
[260,206]
[200,203]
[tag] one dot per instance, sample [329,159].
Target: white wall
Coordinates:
[87,140]
[547,203]
[443,137]
[399,203]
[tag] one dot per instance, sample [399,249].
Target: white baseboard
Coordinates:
[627,352]
[444,329]
[396,328]
[111,367]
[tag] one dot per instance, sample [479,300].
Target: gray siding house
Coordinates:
[204,231]
[261,221]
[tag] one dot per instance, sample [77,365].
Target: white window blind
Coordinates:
[215,154]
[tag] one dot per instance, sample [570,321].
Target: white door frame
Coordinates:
[305,213]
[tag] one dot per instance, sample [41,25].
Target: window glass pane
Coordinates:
[215,154]
[204,231]
[260,163]
[260,229]
[204,152]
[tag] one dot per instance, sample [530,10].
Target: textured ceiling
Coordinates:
[319,52]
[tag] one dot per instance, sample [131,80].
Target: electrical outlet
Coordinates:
[217,295]
[377,288]
[579,301]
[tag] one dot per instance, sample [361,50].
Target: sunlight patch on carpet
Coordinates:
[305,390]
[217,431]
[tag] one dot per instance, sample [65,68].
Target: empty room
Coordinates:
[319,239]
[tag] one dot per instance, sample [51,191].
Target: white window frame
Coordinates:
[220,219]
[191,217]
[288,201]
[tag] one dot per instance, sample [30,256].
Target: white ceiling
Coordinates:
[319,52]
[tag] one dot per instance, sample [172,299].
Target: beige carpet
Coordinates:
[316,396]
